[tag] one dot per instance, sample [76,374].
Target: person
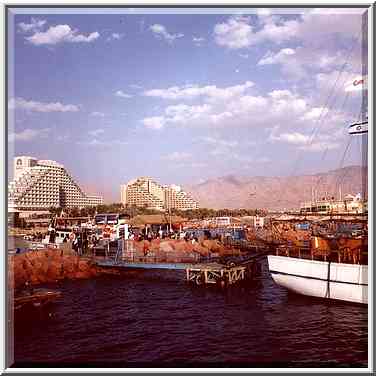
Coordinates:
[72,236]
[65,238]
[85,242]
[75,244]
[52,236]
[79,244]
[120,246]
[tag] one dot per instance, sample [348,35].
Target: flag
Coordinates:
[359,128]
[357,84]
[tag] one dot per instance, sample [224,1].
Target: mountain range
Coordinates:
[277,193]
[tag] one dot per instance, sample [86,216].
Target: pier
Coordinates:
[198,272]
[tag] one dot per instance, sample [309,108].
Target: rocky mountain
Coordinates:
[277,193]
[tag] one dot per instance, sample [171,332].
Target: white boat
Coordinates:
[322,279]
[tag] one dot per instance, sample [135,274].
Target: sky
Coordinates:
[185,97]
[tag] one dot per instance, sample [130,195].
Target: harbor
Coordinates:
[188,188]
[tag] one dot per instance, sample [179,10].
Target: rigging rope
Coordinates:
[319,120]
[341,177]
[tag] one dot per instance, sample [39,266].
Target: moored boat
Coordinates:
[322,279]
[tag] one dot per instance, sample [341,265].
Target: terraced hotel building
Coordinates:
[145,192]
[41,184]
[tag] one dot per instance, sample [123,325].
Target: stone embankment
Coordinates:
[50,265]
[203,247]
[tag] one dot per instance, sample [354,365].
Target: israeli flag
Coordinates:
[359,128]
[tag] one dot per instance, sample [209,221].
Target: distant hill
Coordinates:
[277,193]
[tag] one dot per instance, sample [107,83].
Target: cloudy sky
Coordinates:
[185,97]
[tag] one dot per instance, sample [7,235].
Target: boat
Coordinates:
[333,265]
[35,298]
[321,279]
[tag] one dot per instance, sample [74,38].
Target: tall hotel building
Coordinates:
[145,192]
[41,184]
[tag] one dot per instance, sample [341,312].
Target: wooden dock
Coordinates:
[198,274]
[215,274]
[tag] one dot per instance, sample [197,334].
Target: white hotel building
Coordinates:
[41,184]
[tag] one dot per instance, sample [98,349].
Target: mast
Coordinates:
[364,117]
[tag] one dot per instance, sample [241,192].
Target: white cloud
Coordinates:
[97,113]
[314,26]
[219,118]
[315,113]
[177,156]
[274,58]
[235,33]
[101,143]
[178,114]
[60,34]
[297,62]
[121,94]
[238,32]
[161,31]
[319,146]
[183,113]
[219,142]
[325,21]
[115,36]
[193,91]
[29,134]
[155,122]
[96,132]
[294,138]
[35,25]
[198,41]
[310,143]
[23,104]
[259,113]
[220,146]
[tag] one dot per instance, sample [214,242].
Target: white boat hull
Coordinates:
[321,279]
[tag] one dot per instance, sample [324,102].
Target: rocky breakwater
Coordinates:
[50,265]
[182,250]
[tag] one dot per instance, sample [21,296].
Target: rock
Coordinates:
[155,244]
[82,274]
[83,266]
[198,248]
[166,247]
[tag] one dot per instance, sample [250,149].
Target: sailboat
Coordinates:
[334,266]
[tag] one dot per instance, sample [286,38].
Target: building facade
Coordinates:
[41,184]
[145,192]
[351,204]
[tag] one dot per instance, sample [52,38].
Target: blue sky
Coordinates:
[185,97]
